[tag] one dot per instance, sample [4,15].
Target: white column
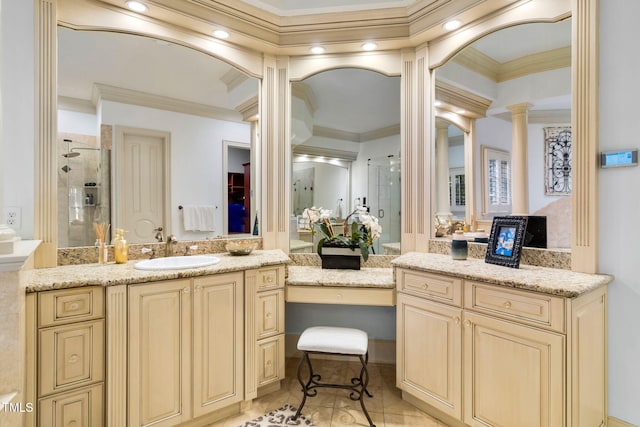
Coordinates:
[443,207]
[519,181]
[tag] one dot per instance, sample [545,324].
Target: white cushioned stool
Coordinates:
[334,341]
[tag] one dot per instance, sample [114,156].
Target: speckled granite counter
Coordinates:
[364,278]
[71,276]
[540,279]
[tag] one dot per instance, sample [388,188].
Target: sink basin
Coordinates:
[177,262]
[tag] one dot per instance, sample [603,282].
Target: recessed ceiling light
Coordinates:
[317,50]
[452,25]
[136,6]
[221,34]
[369,46]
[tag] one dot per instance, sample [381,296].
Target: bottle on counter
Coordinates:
[120,247]
[459,246]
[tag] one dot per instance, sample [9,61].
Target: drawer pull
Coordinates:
[456,320]
[268,279]
[185,290]
[269,363]
[73,358]
[74,306]
[72,423]
[507,304]
[268,315]
[467,323]
[425,286]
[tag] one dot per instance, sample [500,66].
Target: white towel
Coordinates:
[198,218]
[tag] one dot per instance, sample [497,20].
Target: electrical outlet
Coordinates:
[12,217]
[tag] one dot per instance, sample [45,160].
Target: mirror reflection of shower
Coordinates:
[84,168]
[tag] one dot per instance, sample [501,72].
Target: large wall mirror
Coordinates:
[345,141]
[527,65]
[152,134]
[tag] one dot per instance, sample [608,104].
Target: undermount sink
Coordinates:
[177,262]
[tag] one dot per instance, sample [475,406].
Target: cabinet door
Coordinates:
[269,313]
[429,359]
[71,356]
[514,374]
[79,408]
[159,353]
[270,360]
[217,342]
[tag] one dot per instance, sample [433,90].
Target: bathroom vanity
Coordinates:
[112,345]
[485,345]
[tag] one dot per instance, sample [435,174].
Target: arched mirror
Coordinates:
[154,137]
[521,69]
[345,140]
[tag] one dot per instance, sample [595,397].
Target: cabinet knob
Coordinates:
[269,279]
[507,304]
[73,358]
[72,423]
[268,315]
[185,290]
[456,320]
[467,323]
[425,286]
[269,363]
[74,306]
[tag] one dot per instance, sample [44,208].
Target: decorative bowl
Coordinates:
[241,248]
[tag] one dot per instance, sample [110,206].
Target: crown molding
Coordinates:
[303,92]
[263,31]
[102,92]
[249,109]
[498,72]
[453,97]
[233,78]
[310,150]
[541,116]
[371,135]
[76,105]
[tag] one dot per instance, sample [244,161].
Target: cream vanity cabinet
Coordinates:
[185,355]
[488,355]
[65,357]
[265,290]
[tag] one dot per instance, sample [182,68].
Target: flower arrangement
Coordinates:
[361,232]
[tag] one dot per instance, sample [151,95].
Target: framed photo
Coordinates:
[506,240]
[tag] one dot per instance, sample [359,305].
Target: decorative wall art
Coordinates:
[557,153]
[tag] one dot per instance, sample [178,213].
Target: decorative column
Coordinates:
[519,181]
[443,207]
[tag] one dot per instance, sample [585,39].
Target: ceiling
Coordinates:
[307,7]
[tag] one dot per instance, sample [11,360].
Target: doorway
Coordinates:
[141,170]
[237,175]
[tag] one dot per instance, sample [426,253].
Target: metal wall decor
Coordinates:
[557,153]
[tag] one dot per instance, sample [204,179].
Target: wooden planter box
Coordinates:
[341,257]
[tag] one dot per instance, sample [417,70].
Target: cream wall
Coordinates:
[619,194]
[620,201]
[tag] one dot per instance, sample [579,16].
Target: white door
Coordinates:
[142,191]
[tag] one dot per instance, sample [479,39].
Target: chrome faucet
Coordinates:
[188,249]
[171,242]
[150,251]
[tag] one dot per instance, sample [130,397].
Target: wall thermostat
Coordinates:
[618,158]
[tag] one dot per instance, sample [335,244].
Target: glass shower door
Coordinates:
[384,201]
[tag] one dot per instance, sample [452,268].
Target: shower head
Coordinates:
[65,169]
[71,154]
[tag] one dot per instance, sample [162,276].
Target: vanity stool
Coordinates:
[334,341]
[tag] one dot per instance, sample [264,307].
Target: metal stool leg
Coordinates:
[306,390]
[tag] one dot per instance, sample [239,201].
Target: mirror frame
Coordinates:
[417,94]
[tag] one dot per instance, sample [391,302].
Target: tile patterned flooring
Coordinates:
[332,407]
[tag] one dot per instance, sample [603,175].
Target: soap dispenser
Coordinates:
[120,247]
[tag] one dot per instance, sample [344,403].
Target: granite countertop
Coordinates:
[71,276]
[540,279]
[381,278]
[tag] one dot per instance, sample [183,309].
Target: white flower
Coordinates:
[312,213]
[325,214]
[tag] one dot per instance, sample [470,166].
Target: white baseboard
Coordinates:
[380,351]
[614,422]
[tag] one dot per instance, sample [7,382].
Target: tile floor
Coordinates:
[332,407]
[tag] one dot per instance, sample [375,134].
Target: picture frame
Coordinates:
[506,240]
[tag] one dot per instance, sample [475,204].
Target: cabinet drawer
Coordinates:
[271,277]
[270,313]
[270,360]
[70,305]
[528,307]
[71,356]
[433,286]
[78,408]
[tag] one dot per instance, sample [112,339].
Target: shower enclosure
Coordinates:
[83,189]
[384,201]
